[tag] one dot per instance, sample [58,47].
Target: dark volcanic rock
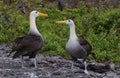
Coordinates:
[52,67]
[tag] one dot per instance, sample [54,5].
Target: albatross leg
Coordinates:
[35,62]
[22,61]
[85,71]
[72,64]
[74,59]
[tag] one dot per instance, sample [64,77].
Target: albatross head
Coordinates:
[69,22]
[36,14]
[33,15]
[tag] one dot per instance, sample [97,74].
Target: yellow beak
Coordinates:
[43,15]
[61,22]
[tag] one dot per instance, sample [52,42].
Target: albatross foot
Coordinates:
[86,72]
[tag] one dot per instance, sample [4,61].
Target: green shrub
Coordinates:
[97,27]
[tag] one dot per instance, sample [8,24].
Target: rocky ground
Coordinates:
[52,67]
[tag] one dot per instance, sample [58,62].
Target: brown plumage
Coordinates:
[87,46]
[27,46]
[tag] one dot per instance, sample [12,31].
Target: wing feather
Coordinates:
[26,45]
[86,45]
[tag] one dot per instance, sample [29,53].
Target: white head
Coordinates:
[33,15]
[69,22]
[36,14]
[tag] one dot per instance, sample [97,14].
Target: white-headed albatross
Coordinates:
[78,49]
[28,45]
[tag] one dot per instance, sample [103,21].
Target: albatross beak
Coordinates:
[61,22]
[43,15]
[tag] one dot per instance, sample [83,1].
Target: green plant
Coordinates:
[97,27]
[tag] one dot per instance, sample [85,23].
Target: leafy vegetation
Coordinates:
[98,27]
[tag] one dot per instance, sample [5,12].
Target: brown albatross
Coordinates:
[28,45]
[78,49]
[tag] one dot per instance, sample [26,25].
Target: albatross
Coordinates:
[29,44]
[77,48]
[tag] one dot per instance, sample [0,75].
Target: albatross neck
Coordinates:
[72,32]
[33,28]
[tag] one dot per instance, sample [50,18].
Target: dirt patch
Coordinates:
[48,67]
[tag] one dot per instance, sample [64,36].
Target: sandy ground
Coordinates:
[48,67]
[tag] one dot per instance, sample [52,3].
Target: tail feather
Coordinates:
[10,53]
[17,54]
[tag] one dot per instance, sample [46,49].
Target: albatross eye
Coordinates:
[69,20]
[36,12]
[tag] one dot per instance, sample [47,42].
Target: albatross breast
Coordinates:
[74,48]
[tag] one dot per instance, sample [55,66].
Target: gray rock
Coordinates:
[48,67]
